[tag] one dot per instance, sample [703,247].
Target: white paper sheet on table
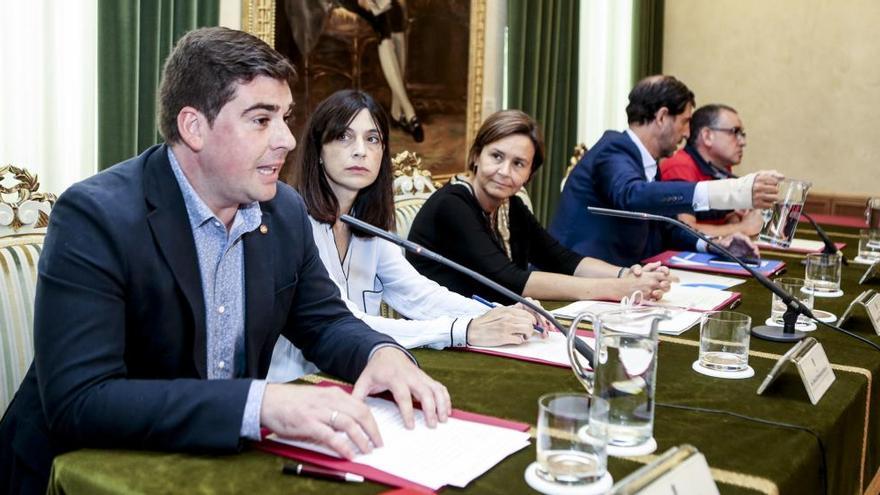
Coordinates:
[690,278]
[694,298]
[454,453]
[797,245]
[681,320]
[552,349]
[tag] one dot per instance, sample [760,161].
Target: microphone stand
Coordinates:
[414,248]
[794,307]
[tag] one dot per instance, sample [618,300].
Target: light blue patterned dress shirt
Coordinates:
[221,264]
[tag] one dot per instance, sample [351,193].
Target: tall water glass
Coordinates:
[780,221]
[793,286]
[572,438]
[724,340]
[872,213]
[823,272]
[869,244]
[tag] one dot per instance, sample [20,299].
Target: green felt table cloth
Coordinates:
[775,443]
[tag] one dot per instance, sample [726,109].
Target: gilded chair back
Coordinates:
[24,215]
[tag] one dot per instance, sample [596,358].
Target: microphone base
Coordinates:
[777,334]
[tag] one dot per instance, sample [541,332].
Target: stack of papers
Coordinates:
[454,453]
[699,279]
[801,246]
[679,321]
[551,350]
[696,298]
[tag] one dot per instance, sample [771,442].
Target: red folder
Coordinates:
[368,472]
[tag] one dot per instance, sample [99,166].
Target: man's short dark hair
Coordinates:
[204,68]
[655,92]
[706,116]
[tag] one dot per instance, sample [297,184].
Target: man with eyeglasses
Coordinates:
[713,148]
[620,172]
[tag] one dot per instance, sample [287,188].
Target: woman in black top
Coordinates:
[478,221]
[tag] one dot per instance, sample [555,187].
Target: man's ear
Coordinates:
[706,136]
[192,124]
[660,115]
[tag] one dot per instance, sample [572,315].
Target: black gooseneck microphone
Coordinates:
[793,306]
[412,247]
[830,247]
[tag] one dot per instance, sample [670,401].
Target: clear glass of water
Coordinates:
[724,340]
[572,438]
[869,244]
[795,287]
[823,272]
[780,221]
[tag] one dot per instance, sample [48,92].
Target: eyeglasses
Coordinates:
[733,131]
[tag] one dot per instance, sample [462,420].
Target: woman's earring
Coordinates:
[320,160]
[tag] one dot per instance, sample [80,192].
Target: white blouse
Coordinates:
[374,270]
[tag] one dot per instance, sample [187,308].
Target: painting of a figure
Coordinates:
[412,55]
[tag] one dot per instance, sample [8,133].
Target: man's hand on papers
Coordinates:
[501,325]
[390,369]
[765,189]
[316,414]
[652,279]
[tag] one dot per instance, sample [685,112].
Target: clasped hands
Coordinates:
[333,418]
[652,279]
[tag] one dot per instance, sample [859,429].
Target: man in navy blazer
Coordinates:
[165,281]
[620,172]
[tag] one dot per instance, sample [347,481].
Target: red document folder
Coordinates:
[368,472]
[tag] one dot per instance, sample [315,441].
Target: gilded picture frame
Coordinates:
[259,18]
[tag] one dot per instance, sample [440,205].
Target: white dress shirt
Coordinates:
[374,270]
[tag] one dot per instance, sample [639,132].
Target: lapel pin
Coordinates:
[264,229]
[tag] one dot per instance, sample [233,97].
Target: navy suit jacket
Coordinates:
[119,331]
[611,175]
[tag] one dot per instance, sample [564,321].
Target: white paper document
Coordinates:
[693,298]
[690,278]
[552,349]
[679,321]
[803,245]
[454,453]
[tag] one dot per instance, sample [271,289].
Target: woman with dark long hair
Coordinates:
[344,167]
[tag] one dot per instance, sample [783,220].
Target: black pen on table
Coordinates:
[484,302]
[312,471]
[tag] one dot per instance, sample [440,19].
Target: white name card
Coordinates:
[812,364]
[873,310]
[680,470]
[815,371]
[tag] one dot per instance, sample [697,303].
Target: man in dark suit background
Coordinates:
[165,281]
[620,172]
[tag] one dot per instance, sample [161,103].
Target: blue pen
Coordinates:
[493,305]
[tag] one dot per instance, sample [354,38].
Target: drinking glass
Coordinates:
[872,213]
[869,244]
[724,340]
[572,438]
[823,272]
[780,221]
[795,287]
